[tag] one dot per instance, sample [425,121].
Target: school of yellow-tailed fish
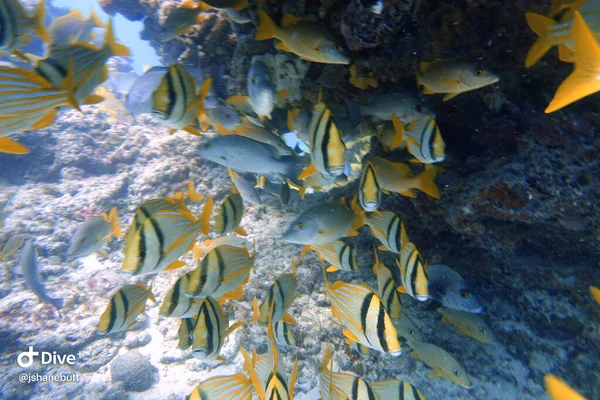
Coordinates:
[321,157]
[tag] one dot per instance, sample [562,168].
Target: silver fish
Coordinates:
[242,154]
[30,269]
[406,106]
[260,89]
[246,188]
[449,288]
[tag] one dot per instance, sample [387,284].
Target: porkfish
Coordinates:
[423,139]
[279,298]
[453,77]
[340,385]
[468,324]
[324,223]
[340,255]
[210,330]
[395,389]
[17,26]
[230,215]
[231,387]
[386,226]
[89,64]
[124,308]
[308,39]
[585,79]
[268,372]
[369,190]
[386,286]
[397,177]
[413,269]
[442,363]
[363,316]
[91,236]
[284,335]
[176,304]
[221,274]
[161,239]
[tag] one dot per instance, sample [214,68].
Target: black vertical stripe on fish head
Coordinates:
[345,256]
[142,243]
[208,325]
[282,296]
[125,306]
[175,296]
[214,339]
[414,392]
[159,235]
[172,96]
[8,34]
[286,335]
[203,271]
[393,232]
[364,311]
[381,329]
[113,314]
[51,70]
[427,140]
[387,293]
[221,266]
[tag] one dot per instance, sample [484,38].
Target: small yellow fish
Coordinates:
[124,308]
[386,226]
[91,236]
[468,324]
[17,26]
[284,334]
[361,82]
[339,254]
[369,190]
[340,385]
[387,135]
[279,298]
[230,215]
[72,27]
[423,139]
[307,39]
[394,389]
[210,330]
[11,246]
[453,77]
[397,177]
[585,79]
[442,363]
[221,274]
[176,304]
[230,240]
[412,269]
[230,387]
[363,316]
[558,390]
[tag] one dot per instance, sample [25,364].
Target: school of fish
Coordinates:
[261,161]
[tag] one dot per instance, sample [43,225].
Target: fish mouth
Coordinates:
[396,353]
[199,354]
[371,206]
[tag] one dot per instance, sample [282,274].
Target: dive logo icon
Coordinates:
[29,354]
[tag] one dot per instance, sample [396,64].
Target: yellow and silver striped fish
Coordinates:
[442,363]
[230,215]
[210,330]
[161,239]
[281,295]
[176,304]
[369,191]
[230,240]
[326,144]
[175,101]
[385,226]
[387,289]
[221,274]
[185,331]
[395,389]
[89,64]
[284,334]
[124,308]
[230,387]
[363,316]
[423,139]
[468,324]
[340,385]
[339,254]
[412,270]
[268,372]
[17,25]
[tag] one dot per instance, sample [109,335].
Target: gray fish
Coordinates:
[139,99]
[122,82]
[242,154]
[91,236]
[223,115]
[408,331]
[261,89]
[239,17]
[30,269]
[450,289]
[406,106]
[246,188]
[11,246]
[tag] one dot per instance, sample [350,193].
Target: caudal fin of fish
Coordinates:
[267,28]
[113,218]
[354,112]
[39,18]
[541,26]
[585,79]
[425,182]
[117,49]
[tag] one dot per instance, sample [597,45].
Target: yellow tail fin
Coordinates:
[192,195]
[68,84]
[267,28]
[205,216]
[558,390]
[113,218]
[585,79]
[541,26]
[12,147]
[116,49]
[39,18]
[425,182]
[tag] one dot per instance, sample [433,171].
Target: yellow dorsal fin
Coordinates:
[113,218]
[255,310]
[205,216]
[116,49]
[424,66]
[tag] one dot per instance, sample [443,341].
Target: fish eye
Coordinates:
[479,72]
[253,78]
[299,226]
[464,294]
[482,330]
[420,108]
[455,372]
[411,331]
[337,47]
